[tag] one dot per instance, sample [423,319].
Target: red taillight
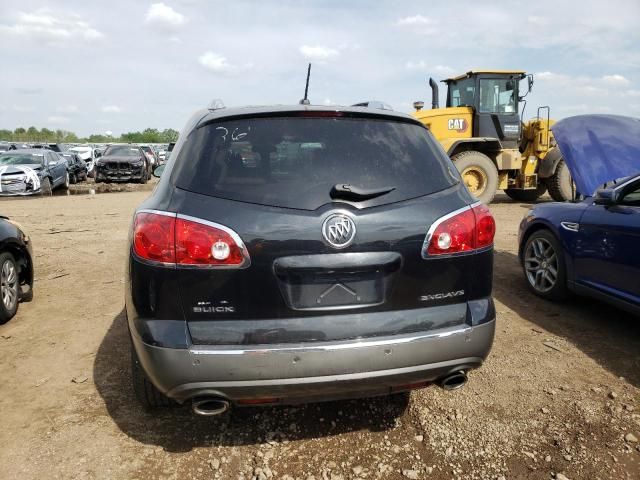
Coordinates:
[174,240]
[153,237]
[485,226]
[470,229]
[201,244]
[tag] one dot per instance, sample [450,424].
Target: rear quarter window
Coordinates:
[294,162]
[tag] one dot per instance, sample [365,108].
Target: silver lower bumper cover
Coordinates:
[298,373]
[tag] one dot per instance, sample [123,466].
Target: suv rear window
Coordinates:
[294,162]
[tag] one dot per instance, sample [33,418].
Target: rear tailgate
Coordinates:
[297,288]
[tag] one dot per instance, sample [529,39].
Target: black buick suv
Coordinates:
[302,253]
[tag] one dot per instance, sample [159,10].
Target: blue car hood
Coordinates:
[598,149]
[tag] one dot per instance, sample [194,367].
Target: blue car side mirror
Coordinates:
[606,196]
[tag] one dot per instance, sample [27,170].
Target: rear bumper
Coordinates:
[314,371]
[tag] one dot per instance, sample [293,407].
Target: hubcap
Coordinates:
[541,265]
[475,179]
[9,285]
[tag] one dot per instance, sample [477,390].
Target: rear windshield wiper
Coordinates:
[350,192]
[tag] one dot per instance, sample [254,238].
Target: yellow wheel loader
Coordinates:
[481,130]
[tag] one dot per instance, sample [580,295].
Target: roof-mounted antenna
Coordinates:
[305,100]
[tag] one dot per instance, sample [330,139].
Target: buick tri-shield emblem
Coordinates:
[339,230]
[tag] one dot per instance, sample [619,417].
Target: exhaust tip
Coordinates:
[210,407]
[454,381]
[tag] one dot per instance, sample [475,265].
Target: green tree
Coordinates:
[70,137]
[6,135]
[47,135]
[151,135]
[169,135]
[33,134]
[98,138]
[20,134]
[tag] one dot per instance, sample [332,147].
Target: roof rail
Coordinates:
[216,104]
[374,104]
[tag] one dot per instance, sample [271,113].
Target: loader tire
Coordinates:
[527,196]
[560,184]
[478,173]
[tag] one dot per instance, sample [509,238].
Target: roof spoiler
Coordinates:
[374,104]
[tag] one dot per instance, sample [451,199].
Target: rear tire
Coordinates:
[67,181]
[10,291]
[146,393]
[560,184]
[528,196]
[479,174]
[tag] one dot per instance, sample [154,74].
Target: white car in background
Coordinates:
[88,154]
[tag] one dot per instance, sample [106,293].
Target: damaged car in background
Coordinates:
[32,171]
[76,167]
[123,163]
[88,155]
[590,246]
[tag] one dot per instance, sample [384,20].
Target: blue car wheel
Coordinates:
[544,266]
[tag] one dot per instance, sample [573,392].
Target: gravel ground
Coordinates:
[557,398]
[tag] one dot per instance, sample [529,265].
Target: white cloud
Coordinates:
[67,109]
[580,108]
[423,66]
[578,85]
[537,20]
[318,52]
[216,63]
[57,119]
[548,76]
[44,25]
[23,109]
[616,80]
[163,16]
[414,21]
[632,93]
[111,109]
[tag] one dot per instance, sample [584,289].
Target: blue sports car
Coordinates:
[590,246]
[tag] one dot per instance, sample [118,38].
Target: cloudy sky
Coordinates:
[120,65]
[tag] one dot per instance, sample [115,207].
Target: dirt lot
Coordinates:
[556,397]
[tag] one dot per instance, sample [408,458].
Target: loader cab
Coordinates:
[494,97]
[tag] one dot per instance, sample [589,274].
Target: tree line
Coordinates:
[32,134]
